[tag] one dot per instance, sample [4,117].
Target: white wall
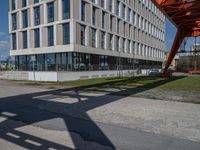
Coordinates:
[42,76]
[69,76]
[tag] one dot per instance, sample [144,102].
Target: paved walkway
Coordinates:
[34,118]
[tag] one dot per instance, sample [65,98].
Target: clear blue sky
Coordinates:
[4,36]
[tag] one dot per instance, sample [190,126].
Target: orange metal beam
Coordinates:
[185,15]
[177,43]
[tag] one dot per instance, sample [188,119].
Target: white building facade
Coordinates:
[86,35]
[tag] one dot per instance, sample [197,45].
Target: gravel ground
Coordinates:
[167,95]
[180,96]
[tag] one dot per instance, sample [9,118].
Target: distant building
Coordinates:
[85,35]
[188,63]
[173,63]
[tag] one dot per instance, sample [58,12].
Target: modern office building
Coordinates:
[86,35]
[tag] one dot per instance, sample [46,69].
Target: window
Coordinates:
[66,33]
[82,11]
[124,28]
[82,35]
[118,23]
[37,15]
[93,37]
[13,4]
[102,3]
[24,3]
[117,43]
[134,18]
[37,37]
[133,48]
[128,15]
[118,8]
[103,19]
[123,11]
[94,16]
[66,9]
[14,41]
[138,20]
[36,1]
[14,21]
[141,24]
[102,40]
[110,41]
[50,36]
[21,62]
[25,18]
[50,60]
[25,43]
[50,9]
[111,23]
[103,62]
[110,5]
[123,45]
[128,46]
[40,60]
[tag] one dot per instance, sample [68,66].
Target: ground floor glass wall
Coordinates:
[73,61]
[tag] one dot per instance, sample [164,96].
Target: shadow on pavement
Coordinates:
[42,106]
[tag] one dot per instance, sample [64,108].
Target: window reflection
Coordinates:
[73,61]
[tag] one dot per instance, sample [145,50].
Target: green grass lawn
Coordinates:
[191,83]
[174,83]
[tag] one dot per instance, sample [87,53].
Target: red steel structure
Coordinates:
[185,15]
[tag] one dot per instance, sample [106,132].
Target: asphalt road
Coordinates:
[34,118]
